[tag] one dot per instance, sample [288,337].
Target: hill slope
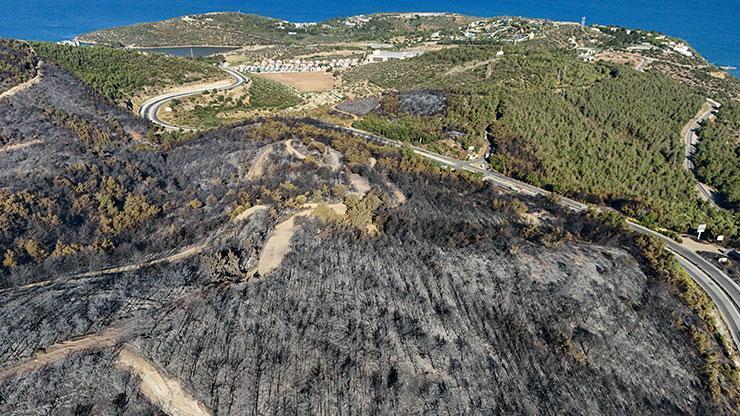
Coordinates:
[134,282]
[127,77]
[237,29]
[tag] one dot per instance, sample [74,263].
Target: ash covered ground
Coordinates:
[397,288]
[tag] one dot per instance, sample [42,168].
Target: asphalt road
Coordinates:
[150,107]
[723,291]
[689,140]
[721,288]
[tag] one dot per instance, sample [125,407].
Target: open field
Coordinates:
[303,81]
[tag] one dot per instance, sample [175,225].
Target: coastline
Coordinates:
[80,39]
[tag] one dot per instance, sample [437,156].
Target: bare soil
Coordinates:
[278,244]
[161,390]
[105,339]
[12,147]
[304,81]
[292,150]
[258,167]
[359,183]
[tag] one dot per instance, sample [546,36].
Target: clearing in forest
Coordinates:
[278,243]
[303,81]
[359,183]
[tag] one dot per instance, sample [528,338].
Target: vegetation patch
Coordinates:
[599,132]
[268,94]
[119,74]
[717,157]
[17,63]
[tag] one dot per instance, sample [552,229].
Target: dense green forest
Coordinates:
[119,74]
[717,158]
[599,132]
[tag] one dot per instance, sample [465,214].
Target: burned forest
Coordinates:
[278,267]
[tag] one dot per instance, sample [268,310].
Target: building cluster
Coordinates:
[681,48]
[297,65]
[357,21]
[385,56]
[496,29]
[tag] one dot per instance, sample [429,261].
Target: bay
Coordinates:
[711,26]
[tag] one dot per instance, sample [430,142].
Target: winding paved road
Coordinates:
[690,139]
[723,291]
[719,286]
[150,108]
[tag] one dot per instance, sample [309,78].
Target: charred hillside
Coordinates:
[276,267]
[17,64]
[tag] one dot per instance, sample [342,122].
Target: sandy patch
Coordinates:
[162,391]
[303,81]
[335,159]
[718,74]
[278,243]
[248,213]
[693,245]
[620,58]
[469,66]
[397,194]
[359,183]
[291,150]
[531,219]
[258,166]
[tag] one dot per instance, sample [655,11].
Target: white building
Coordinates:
[681,48]
[385,56]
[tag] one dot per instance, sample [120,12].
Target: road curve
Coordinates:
[150,108]
[723,291]
[690,138]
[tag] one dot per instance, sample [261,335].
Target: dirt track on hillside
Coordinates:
[165,392]
[12,147]
[278,243]
[105,339]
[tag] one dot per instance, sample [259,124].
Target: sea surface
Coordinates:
[711,26]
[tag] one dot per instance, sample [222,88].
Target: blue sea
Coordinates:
[711,26]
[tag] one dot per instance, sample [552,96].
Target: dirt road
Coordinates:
[19,146]
[165,392]
[105,339]
[278,243]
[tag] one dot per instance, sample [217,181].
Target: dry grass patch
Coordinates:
[303,81]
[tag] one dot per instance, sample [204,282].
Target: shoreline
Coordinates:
[182,47]
[92,42]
